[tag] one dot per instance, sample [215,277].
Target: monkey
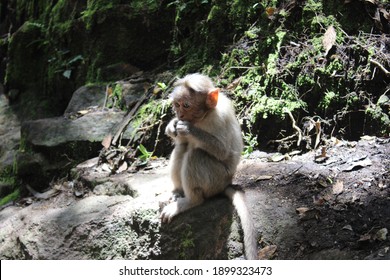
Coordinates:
[207,149]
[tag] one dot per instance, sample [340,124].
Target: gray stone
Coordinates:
[91,127]
[115,227]
[85,97]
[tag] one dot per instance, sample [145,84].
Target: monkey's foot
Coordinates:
[175,196]
[169,212]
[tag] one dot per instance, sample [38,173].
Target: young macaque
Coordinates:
[208,145]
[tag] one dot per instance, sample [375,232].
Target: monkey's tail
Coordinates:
[250,241]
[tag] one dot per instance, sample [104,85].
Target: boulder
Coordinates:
[74,137]
[116,226]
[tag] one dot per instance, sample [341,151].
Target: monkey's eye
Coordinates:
[186,105]
[176,104]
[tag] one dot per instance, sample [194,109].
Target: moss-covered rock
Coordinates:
[62,45]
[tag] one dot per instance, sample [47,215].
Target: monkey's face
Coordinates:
[189,110]
[189,105]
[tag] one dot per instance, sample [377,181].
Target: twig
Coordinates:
[294,125]
[121,127]
[106,97]
[317,125]
[282,140]
[377,63]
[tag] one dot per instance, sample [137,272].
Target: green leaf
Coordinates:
[67,73]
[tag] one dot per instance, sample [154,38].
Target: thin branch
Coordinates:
[294,125]
[377,63]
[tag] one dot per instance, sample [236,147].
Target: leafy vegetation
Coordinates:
[279,64]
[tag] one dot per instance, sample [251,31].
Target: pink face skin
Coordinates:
[190,107]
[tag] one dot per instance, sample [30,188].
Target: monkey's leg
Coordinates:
[180,205]
[175,165]
[190,180]
[206,172]
[202,176]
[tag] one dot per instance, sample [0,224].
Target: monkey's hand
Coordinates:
[183,128]
[169,212]
[171,128]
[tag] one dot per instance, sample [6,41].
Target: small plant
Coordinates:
[145,154]
[250,142]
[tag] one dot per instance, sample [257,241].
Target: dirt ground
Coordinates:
[330,206]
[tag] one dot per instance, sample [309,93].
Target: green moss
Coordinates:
[187,242]
[11,197]
[380,120]
[8,176]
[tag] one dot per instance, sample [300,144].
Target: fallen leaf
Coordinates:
[348,227]
[381,234]
[270,11]
[106,167]
[267,252]
[365,237]
[277,157]
[302,210]
[107,141]
[358,164]
[338,187]
[306,213]
[383,100]
[263,177]
[329,39]
[122,167]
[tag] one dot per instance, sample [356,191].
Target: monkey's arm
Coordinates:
[170,130]
[203,140]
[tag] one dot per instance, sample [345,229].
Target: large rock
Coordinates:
[72,138]
[9,144]
[85,97]
[116,227]
[91,127]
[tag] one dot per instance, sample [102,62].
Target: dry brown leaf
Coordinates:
[123,167]
[107,141]
[306,213]
[338,187]
[270,11]
[268,252]
[365,237]
[329,39]
[302,210]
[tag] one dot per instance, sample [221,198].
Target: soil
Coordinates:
[330,206]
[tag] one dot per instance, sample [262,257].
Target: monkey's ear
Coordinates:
[212,98]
